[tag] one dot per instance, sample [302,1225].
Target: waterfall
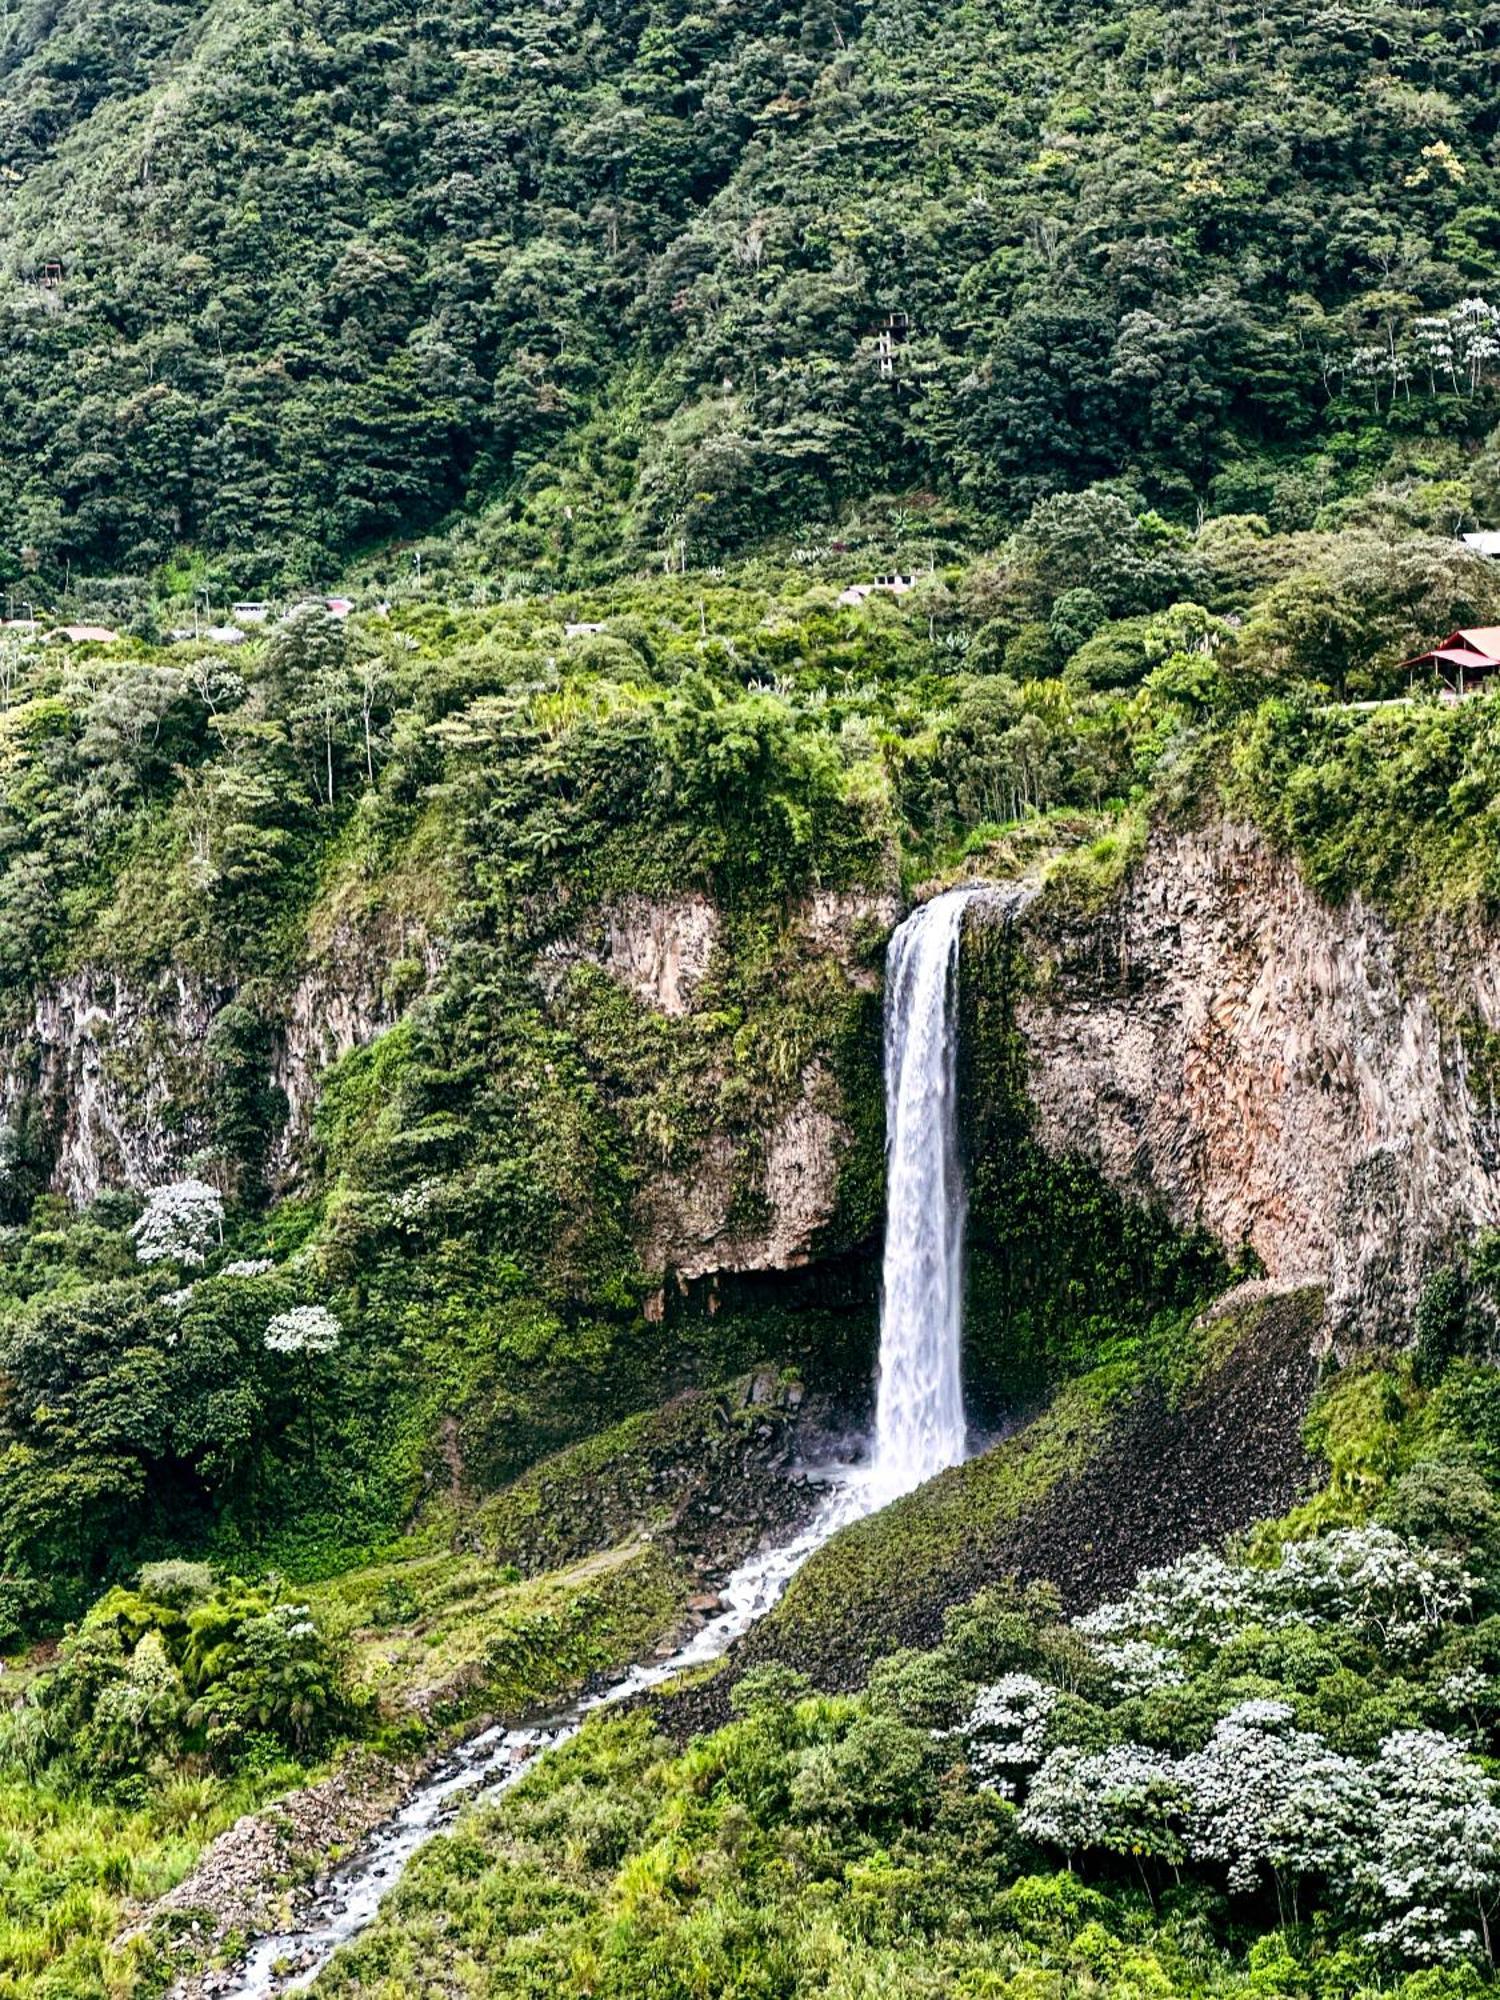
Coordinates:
[919,1431]
[919,1423]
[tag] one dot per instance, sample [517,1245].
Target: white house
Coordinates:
[896,585]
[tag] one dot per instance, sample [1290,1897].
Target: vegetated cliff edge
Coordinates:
[1301,1080]
[111,1078]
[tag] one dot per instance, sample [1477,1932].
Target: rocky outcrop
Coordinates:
[744,1204]
[115,1072]
[355,984]
[1281,1072]
[686,1222]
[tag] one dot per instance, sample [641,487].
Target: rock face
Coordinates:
[1276,1070]
[685,1222]
[353,986]
[118,1075]
[698,1223]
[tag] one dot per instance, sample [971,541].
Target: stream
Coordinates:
[919,1430]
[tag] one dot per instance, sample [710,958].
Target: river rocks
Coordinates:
[253,1878]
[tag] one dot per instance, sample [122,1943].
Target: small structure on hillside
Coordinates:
[1466,662]
[1485,543]
[255,613]
[582,628]
[85,635]
[894,585]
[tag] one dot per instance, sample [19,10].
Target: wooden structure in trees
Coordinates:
[1466,662]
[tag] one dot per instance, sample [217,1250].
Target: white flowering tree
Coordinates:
[303,1330]
[309,1332]
[1267,1796]
[1005,1733]
[180,1224]
[1124,1800]
[1369,1581]
[1431,1867]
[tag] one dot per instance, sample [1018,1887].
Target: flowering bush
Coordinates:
[1268,1795]
[1369,1581]
[248,1267]
[179,1224]
[1431,1858]
[1127,1800]
[1005,1734]
[303,1330]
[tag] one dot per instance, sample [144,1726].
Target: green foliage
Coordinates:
[260,314]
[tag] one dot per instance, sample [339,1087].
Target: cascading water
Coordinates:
[919,1419]
[919,1431]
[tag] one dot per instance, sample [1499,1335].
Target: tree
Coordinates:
[1432,1870]
[180,1223]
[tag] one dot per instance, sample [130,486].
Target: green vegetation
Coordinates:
[909,1840]
[612,282]
[440,1047]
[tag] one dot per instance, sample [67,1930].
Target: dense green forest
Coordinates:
[420,1013]
[609,283]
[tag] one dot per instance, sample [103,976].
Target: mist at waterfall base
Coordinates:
[919,1432]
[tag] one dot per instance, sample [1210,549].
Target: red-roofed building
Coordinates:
[1466,662]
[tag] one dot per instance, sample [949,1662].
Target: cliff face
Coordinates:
[1281,1072]
[1220,1041]
[117,1078]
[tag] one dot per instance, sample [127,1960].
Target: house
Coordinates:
[582,629]
[86,635]
[1485,543]
[250,614]
[896,585]
[1465,662]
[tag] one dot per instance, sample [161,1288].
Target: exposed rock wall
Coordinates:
[354,985]
[1283,1073]
[117,1072]
[688,1224]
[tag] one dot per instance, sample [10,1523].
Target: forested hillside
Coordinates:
[454,1034]
[610,281]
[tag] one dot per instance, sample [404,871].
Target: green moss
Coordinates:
[1083,882]
[631,1478]
[920,1547]
[450,1636]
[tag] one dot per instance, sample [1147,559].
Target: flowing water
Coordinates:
[919,1416]
[919,1430]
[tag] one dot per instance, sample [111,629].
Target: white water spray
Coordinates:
[919,1420]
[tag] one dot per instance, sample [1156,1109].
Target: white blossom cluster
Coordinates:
[1366,1580]
[248,1267]
[1126,1799]
[1141,1666]
[1433,1859]
[1265,1794]
[1005,1734]
[1413,1839]
[179,1224]
[414,1203]
[303,1330]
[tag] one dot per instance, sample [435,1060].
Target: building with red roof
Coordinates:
[1465,662]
